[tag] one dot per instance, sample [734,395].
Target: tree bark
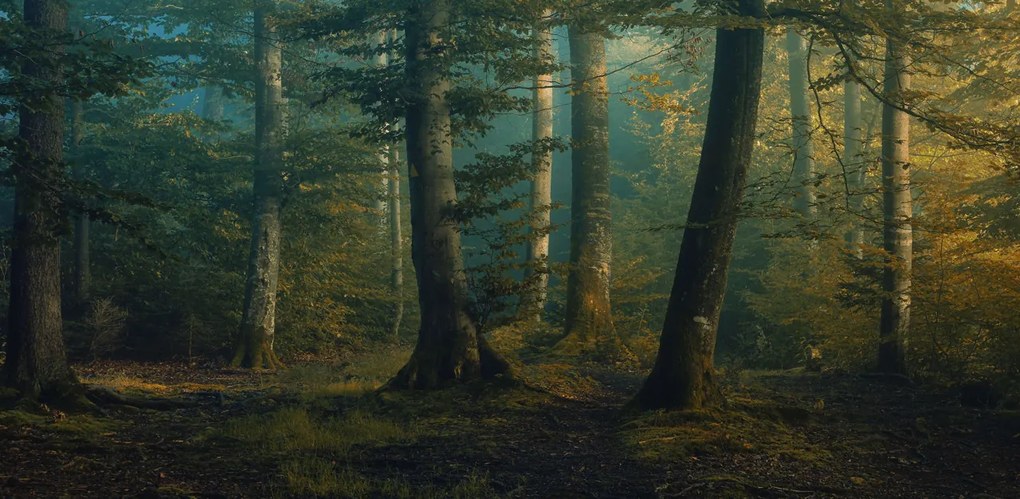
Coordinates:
[800,111]
[589,322]
[258,322]
[449,348]
[82,275]
[854,166]
[897,210]
[683,375]
[396,241]
[36,360]
[382,60]
[541,184]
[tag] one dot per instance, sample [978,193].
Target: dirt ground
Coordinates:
[210,433]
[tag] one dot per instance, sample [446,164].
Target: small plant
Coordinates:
[105,325]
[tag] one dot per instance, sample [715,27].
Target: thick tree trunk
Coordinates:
[450,348]
[683,375]
[589,321]
[82,275]
[396,241]
[258,321]
[36,361]
[897,210]
[854,165]
[541,184]
[212,104]
[800,111]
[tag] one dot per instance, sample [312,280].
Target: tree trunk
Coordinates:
[82,275]
[382,60]
[897,210]
[212,105]
[36,360]
[396,241]
[854,165]
[589,321]
[541,184]
[800,110]
[258,322]
[683,375]
[450,348]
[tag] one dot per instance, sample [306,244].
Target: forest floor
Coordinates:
[320,429]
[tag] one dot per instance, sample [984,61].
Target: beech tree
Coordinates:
[683,374]
[258,322]
[897,207]
[854,165]
[588,320]
[449,348]
[541,184]
[800,112]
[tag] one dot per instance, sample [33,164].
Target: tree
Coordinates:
[683,374]
[36,359]
[396,240]
[588,321]
[854,166]
[897,234]
[396,231]
[258,322]
[800,111]
[541,184]
[449,348]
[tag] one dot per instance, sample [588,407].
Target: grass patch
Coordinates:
[746,426]
[297,429]
[326,478]
[76,425]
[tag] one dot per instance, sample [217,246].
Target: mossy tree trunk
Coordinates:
[683,375]
[541,183]
[805,202]
[258,321]
[589,321]
[897,209]
[449,348]
[36,359]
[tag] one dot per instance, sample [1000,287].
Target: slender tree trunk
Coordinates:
[396,241]
[36,360]
[589,321]
[396,230]
[382,60]
[897,209]
[450,348]
[82,275]
[683,375]
[854,165]
[258,322]
[212,105]
[541,184]
[800,110]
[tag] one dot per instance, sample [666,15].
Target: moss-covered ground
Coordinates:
[324,429]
